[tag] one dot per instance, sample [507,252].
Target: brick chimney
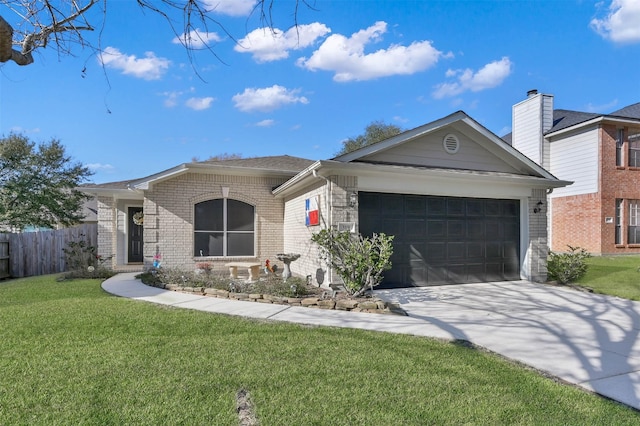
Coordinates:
[532,118]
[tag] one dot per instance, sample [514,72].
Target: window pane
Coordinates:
[208,216]
[619,145]
[618,239]
[634,212]
[240,216]
[634,148]
[208,243]
[240,244]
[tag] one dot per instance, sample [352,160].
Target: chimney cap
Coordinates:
[532,92]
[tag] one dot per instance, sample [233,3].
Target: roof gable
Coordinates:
[480,149]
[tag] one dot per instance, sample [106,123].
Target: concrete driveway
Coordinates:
[585,339]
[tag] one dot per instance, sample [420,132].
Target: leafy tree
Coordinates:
[358,260]
[220,157]
[38,184]
[63,23]
[375,132]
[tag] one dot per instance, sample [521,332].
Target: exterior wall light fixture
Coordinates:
[353,199]
[538,207]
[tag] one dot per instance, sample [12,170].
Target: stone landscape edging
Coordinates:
[372,305]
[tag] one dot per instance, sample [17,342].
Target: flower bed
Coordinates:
[341,302]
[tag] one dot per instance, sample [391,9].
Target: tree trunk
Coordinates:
[7,53]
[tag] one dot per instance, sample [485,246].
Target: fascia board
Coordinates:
[329,168]
[145,183]
[298,180]
[115,193]
[361,169]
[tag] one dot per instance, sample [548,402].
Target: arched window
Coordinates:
[224,227]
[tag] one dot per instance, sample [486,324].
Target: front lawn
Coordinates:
[613,275]
[72,354]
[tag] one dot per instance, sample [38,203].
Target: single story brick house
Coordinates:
[463,205]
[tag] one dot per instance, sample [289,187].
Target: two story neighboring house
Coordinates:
[600,153]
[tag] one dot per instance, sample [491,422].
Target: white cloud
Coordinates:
[272,44]
[199,104]
[267,99]
[149,68]
[347,58]
[197,39]
[601,108]
[489,76]
[230,7]
[622,24]
[171,98]
[18,129]
[266,123]
[99,166]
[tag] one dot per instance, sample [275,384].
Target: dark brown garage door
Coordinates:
[445,240]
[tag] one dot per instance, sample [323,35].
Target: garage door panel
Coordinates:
[436,206]
[437,229]
[475,250]
[393,227]
[455,230]
[415,206]
[436,251]
[445,240]
[415,228]
[476,272]
[456,251]
[475,230]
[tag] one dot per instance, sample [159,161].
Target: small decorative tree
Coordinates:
[359,261]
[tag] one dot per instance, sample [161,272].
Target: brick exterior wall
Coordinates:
[580,220]
[106,226]
[169,211]
[298,235]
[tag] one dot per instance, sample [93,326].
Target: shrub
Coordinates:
[83,261]
[567,267]
[359,261]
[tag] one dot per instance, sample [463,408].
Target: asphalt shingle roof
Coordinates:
[630,111]
[563,118]
[285,163]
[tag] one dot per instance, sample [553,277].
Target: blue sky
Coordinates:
[146,106]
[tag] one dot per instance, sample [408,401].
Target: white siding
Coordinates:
[429,151]
[575,158]
[531,118]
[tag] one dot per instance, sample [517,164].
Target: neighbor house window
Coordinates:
[634,148]
[634,222]
[619,149]
[618,221]
[224,227]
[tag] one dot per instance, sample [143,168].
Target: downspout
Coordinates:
[328,196]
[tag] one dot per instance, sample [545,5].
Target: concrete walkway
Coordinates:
[585,339]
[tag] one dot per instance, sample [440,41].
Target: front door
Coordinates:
[135,234]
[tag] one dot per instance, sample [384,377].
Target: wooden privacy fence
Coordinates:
[40,253]
[4,256]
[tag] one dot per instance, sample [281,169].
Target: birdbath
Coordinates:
[287,258]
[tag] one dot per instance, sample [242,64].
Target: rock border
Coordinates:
[369,305]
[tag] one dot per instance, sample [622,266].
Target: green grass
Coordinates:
[72,354]
[613,275]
